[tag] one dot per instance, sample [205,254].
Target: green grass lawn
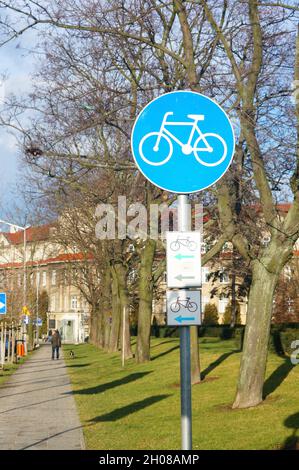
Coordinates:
[138,407]
[8,370]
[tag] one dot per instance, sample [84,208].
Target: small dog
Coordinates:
[72,354]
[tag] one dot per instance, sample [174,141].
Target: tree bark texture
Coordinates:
[121,276]
[145,301]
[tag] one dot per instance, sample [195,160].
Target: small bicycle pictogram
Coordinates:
[207,145]
[185,242]
[186,303]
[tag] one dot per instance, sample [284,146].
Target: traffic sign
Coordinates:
[2,303]
[183,142]
[39,322]
[183,257]
[183,307]
[25,310]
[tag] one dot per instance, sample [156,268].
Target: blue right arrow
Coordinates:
[180,319]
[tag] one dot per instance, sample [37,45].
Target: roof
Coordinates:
[33,234]
[62,258]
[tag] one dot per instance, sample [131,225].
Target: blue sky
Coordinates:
[17,64]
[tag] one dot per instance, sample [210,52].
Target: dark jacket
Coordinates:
[56,340]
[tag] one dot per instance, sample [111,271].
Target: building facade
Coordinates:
[50,269]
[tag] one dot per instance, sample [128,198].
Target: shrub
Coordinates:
[210,315]
[165,331]
[212,331]
[227,332]
[286,339]
[228,314]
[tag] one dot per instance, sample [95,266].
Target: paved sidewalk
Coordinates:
[37,408]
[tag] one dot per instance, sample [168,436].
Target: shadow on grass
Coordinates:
[107,386]
[292,442]
[120,413]
[277,377]
[79,365]
[216,363]
[169,340]
[165,353]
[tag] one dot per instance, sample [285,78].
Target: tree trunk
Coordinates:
[145,301]
[106,326]
[97,325]
[115,324]
[101,327]
[195,362]
[255,351]
[93,326]
[234,303]
[121,275]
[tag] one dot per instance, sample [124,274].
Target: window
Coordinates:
[38,278]
[205,301]
[19,280]
[266,240]
[227,247]
[223,276]
[132,275]
[54,278]
[288,273]
[74,302]
[74,275]
[222,304]
[52,324]
[205,275]
[53,303]
[44,278]
[203,248]
[31,279]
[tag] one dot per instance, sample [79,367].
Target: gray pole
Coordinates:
[24,270]
[37,303]
[123,337]
[24,337]
[184,223]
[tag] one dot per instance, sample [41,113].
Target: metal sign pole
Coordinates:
[123,338]
[183,176]
[185,356]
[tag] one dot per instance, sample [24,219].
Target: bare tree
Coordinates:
[239,52]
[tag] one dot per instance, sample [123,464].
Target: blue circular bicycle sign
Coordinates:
[183,142]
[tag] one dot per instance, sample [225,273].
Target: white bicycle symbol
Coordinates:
[154,139]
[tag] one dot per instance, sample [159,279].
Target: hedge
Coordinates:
[281,335]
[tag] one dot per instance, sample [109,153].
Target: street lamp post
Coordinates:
[24,263]
[37,303]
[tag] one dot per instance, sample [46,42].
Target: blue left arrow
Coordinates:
[180,319]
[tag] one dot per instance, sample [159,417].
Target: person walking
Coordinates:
[56,344]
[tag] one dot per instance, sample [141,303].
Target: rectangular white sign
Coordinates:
[183,307]
[183,257]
